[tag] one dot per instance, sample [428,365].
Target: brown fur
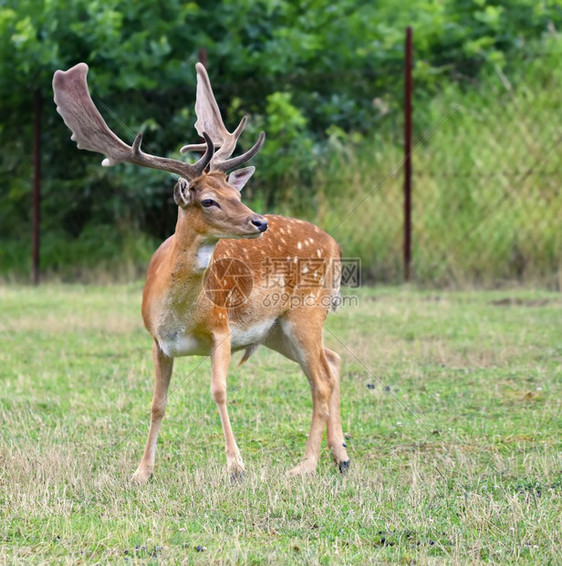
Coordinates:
[220,283]
[183,318]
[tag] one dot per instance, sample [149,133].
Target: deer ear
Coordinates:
[240,177]
[182,196]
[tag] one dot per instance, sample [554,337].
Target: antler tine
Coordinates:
[90,131]
[200,165]
[194,147]
[210,120]
[231,140]
[229,164]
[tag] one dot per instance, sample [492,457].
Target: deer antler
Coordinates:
[90,131]
[209,120]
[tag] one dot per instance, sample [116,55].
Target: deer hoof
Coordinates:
[141,477]
[343,467]
[237,477]
[236,471]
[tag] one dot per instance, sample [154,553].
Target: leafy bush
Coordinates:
[319,77]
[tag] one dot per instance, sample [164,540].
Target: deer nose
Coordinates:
[260,223]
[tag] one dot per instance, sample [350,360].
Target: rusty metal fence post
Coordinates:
[35,260]
[407,155]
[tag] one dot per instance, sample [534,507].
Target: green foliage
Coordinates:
[313,74]
[288,154]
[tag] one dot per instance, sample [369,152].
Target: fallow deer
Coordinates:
[208,287]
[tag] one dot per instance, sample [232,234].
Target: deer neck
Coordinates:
[192,254]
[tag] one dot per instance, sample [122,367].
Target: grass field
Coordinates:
[451,406]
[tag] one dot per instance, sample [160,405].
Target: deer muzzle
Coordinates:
[260,222]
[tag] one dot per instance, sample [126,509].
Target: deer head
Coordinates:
[211,207]
[203,192]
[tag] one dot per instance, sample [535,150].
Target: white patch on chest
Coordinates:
[241,337]
[203,256]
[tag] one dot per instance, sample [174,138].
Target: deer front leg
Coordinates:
[163,366]
[220,358]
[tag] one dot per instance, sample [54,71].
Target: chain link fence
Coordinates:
[488,204]
[486,198]
[486,184]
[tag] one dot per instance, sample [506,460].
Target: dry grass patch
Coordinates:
[451,406]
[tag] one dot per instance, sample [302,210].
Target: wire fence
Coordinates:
[486,203]
[493,196]
[486,197]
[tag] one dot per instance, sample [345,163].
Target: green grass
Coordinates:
[451,406]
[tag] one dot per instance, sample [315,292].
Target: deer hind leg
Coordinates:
[220,358]
[299,337]
[316,367]
[163,366]
[336,439]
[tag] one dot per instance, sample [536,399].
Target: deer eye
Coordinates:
[207,203]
